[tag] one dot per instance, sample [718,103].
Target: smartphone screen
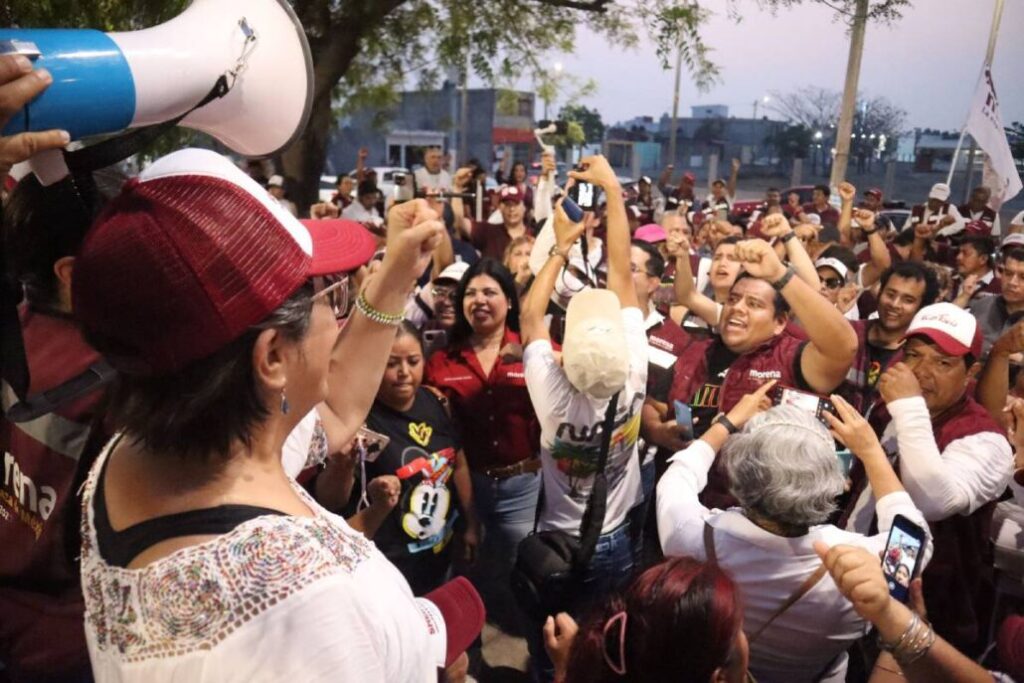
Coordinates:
[812,403]
[902,556]
[684,418]
[584,194]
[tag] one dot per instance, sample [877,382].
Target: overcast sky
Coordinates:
[927,63]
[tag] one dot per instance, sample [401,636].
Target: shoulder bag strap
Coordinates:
[709,543]
[593,516]
[802,590]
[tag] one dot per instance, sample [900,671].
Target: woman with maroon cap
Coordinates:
[217,308]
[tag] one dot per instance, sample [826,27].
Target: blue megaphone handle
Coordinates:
[92,92]
[572,210]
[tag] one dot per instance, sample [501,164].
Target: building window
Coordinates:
[526,107]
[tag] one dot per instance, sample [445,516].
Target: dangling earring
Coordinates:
[284,403]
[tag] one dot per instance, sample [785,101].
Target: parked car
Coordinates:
[898,217]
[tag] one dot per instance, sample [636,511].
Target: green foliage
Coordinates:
[105,15]
[882,11]
[791,142]
[588,119]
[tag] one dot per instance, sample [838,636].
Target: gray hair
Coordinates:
[783,467]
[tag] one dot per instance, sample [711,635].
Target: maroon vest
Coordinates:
[41,629]
[953,578]
[774,359]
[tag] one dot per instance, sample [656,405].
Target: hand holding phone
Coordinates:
[812,403]
[902,556]
[684,419]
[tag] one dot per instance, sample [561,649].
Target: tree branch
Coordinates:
[592,6]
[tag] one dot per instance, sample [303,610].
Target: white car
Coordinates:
[327,187]
[386,178]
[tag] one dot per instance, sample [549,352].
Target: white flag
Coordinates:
[985,125]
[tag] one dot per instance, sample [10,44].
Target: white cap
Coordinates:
[814,219]
[1014,239]
[939,191]
[275,181]
[833,263]
[594,351]
[951,328]
[453,272]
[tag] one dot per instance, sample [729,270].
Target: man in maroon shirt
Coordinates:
[820,206]
[975,267]
[491,239]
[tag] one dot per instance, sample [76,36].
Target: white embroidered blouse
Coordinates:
[278,598]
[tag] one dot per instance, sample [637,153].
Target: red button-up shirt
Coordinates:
[494,412]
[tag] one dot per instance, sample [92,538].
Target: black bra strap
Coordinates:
[119,548]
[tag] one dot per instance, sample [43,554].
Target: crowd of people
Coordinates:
[662,442]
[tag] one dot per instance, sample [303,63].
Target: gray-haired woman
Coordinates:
[786,476]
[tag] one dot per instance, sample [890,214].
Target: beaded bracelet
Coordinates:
[379,317]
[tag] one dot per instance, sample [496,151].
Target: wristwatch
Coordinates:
[555,251]
[788,236]
[726,422]
[784,280]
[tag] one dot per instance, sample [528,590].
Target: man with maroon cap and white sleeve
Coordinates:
[492,239]
[201,559]
[952,458]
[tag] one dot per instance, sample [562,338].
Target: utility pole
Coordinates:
[675,110]
[845,128]
[993,34]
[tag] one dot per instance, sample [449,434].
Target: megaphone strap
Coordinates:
[116,149]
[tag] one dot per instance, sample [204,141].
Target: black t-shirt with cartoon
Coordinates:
[416,535]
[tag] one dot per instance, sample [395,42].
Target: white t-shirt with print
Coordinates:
[570,439]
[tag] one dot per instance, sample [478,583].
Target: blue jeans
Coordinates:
[507,509]
[610,569]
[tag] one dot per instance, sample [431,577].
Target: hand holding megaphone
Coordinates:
[19,84]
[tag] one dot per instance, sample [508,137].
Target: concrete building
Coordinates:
[399,136]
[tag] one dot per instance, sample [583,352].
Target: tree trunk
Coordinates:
[304,160]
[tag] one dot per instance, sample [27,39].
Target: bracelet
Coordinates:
[917,645]
[891,647]
[788,236]
[869,232]
[727,423]
[784,280]
[379,317]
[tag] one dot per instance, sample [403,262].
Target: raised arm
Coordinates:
[620,279]
[730,189]
[877,249]
[833,344]
[994,385]
[778,227]
[535,305]
[414,231]
[685,290]
[846,194]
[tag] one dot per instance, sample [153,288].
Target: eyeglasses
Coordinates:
[443,293]
[334,290]
[832,282]
[634,268]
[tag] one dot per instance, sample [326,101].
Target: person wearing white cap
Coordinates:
[952,457]
[604,359]
[938,213]
[275,186]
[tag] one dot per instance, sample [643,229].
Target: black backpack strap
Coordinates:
[96,376]
[593,516]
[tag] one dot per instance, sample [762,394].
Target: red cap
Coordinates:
[455,616]
[873,192]
[978,228]
[511,193]
[690,177]
[338,245]
[951,328]
[190,255]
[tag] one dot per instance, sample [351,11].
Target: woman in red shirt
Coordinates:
[481,373]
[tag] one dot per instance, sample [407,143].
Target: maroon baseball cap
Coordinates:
[689,177]
[511,193]
[873,192]
[190,255]
[978,228]
[455,616]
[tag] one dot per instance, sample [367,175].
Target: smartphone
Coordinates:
[373,442]
[572,210]
[684,418]
[902,556]
[403,188]
[584,195]
[812,403]
[434,340]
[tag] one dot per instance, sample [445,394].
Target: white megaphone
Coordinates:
[256,51]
